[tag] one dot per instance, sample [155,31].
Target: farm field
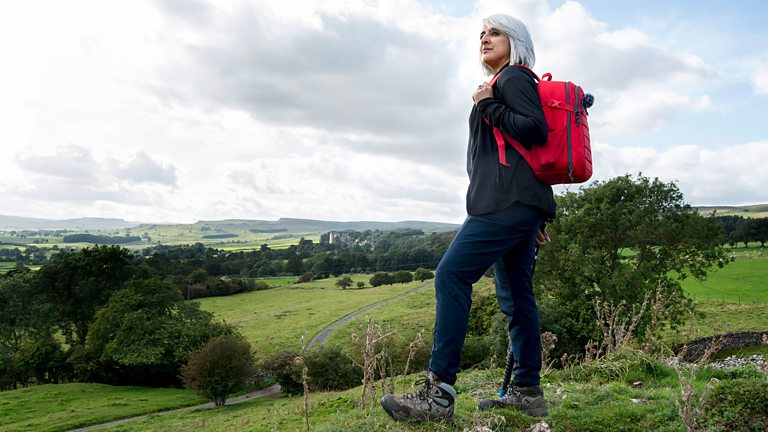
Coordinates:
[241,238]
[741,281]
[58,407]
[274,320]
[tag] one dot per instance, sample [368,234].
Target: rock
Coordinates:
[733,361]
[637,384]
[640,401]
[539,427]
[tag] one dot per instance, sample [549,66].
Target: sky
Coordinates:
[178,111]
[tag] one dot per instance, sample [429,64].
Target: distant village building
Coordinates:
[341,237]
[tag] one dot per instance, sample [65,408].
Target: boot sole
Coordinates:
[397,413]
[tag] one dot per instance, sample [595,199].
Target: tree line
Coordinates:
[99,314]
[738,229]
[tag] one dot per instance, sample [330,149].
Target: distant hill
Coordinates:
[288,225]
[754,211]
[311,225]
[86,223]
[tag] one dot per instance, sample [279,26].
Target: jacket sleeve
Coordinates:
[516,109]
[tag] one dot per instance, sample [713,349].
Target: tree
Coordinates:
[360,284]
[344,282]
[306,277]
[330,369]
[77,283]
[221,367]
[402,276]
[619,241]
[294,264]
[381,278]
[284,368]
[146,332]
[423,274]
[759,230]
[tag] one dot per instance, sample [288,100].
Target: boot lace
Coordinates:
[422,394]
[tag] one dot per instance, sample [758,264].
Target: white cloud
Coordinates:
[641,109]
[71,161]
[142,168]
[731,175]
[760,80]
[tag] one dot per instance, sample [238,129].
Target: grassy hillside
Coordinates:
[58,407]
[274,320]
[592,397]
[595,397]
[755,211]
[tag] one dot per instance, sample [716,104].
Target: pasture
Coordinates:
[58,407]
[741,281]
[274,320]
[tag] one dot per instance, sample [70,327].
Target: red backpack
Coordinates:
[566,157]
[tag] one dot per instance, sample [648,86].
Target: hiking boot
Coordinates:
[433,401]
[529,400]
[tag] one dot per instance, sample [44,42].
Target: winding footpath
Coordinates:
[274,390]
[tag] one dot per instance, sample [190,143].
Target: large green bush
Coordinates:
[283,368]
[737,405]
[218,369]
[331,369]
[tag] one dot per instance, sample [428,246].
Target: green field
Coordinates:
[741,281]
[274,320]
[59,407]
[180,234]
[277,281]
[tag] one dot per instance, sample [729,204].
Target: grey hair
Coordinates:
[520,42]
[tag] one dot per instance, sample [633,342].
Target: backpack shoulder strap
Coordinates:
[496,77]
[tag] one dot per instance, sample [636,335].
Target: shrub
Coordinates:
[331,369]
[306,277]
[476,352]
[737,405]
[422,274]
[381,278]
[221,367]
[402,277]
[286,371]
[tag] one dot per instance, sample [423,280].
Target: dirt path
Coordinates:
[274,390]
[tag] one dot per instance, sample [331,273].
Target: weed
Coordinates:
[686,373]
[417,343]
[374,338]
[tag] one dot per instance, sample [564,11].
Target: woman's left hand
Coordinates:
[542,236]
[484,91]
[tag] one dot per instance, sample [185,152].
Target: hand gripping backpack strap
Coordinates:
[498,134]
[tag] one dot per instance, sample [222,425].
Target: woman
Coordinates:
[507,208]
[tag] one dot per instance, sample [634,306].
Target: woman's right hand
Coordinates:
[484,91]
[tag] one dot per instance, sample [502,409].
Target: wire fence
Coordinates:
[722,299]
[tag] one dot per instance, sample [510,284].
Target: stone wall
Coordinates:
[728,341]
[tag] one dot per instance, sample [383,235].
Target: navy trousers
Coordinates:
[505,239]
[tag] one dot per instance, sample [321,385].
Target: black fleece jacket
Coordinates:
[515,109]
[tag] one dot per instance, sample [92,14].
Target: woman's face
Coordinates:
[494,48]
